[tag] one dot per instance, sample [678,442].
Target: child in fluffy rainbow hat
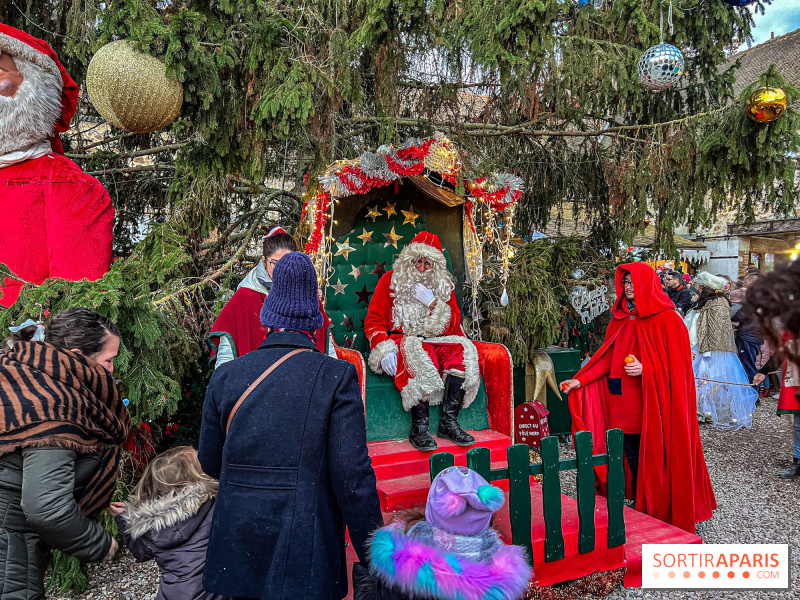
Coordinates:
[453,553]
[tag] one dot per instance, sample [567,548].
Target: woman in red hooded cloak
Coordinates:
[653,397]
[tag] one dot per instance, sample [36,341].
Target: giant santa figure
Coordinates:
[55,221]
[641,381]
[414,330]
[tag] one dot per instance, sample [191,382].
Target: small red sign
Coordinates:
[530,419]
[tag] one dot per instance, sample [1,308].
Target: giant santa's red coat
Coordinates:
[427,342]
[56,220]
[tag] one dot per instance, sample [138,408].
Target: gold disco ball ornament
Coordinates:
[766,104]
[131,90]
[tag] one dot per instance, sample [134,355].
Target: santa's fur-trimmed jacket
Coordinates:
[428,563]
[417,377]
[174,530]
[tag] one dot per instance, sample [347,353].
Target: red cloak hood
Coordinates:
[649,296]
[673,484]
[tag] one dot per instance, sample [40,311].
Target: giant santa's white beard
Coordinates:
[409,313]
[31,115]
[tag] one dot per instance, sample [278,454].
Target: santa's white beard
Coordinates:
[409,313]
[31,115]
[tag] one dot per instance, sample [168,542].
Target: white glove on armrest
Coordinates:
[423,294]
[389,364]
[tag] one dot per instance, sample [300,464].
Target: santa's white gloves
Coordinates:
[424,295]
[389,364]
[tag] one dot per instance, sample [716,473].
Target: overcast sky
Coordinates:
[782,16]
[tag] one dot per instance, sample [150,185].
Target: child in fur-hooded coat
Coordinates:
[453,554]
[168,518]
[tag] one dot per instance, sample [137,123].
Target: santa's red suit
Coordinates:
[56,220]
[428,343]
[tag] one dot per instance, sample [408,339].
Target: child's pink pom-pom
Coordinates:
[450,504]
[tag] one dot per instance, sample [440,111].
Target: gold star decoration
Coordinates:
[355,272]
[390,209]
[344,248]
[365,237]
[373,212]
[392,238]
[411,216]
[339,286]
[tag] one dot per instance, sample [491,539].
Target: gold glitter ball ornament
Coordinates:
[766,104]
[131,90]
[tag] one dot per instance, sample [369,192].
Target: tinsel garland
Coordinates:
[505,190]
[322,201]
[387,165]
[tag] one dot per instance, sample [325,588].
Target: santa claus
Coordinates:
[414,329]
[56,220]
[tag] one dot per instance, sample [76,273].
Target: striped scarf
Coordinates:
[54,397]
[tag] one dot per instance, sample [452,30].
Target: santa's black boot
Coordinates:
[792,472]
[449,428]
[420,436]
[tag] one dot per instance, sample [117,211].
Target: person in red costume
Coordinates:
[238,329]
[651,397]
[57,221]
[413,325]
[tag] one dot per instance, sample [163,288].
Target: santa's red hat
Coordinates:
[425,244]
[17,43]
[427,238]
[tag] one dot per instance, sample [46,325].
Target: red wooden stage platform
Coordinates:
[403,482]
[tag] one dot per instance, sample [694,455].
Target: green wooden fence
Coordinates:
[519,471]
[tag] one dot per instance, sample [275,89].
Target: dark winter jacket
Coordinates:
[681,297]
[748,328]
[39,512]
[293,470]
[174,530]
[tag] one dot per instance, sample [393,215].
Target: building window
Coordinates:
[769,263]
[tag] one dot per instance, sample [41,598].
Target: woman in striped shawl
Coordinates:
[62,426]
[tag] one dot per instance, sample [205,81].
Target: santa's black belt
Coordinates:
[615,385]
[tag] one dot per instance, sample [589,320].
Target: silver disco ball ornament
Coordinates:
[661,67]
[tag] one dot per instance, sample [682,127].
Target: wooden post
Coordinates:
[551,500]
[439,462]
[586,491]
[480,461]
[519,496]
[616,489]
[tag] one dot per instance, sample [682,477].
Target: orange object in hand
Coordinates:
[564,386]
[629,360]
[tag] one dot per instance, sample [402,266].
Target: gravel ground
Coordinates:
[755,506]
[123,579]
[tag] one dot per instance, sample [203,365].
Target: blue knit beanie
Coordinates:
[293,302]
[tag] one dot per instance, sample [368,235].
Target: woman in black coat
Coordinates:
[291,458]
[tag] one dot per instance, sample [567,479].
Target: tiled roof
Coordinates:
[782,51]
